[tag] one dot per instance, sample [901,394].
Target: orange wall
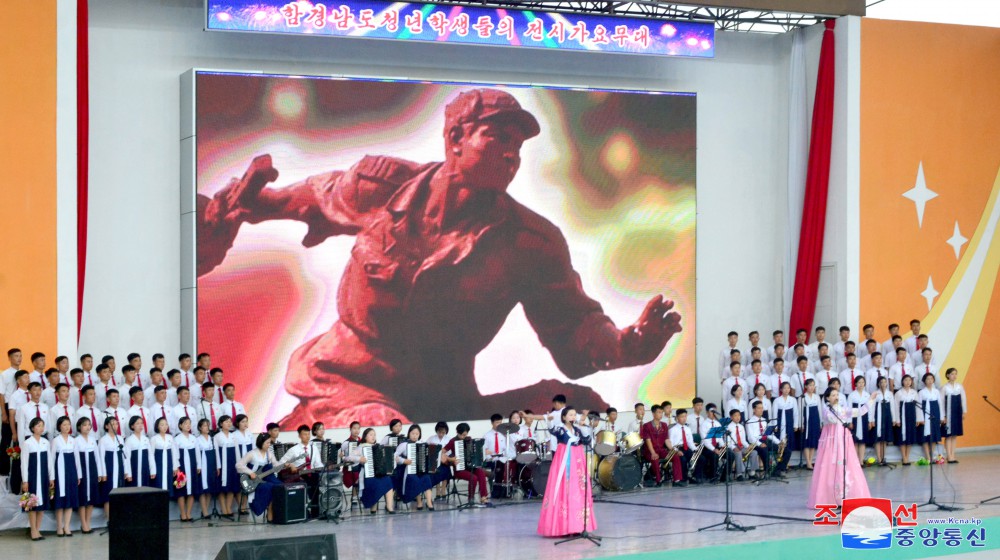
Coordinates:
[929,93]
[28,182]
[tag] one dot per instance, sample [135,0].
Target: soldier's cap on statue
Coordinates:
[485,103]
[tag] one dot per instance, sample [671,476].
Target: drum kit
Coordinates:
[613,465]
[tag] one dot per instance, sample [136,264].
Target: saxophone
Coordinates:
[749,451]
[781,449]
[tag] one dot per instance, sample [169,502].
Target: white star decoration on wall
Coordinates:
[929,293]
[920,194]
[957,240]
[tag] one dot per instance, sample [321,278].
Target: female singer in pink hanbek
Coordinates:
[568,498]
[835,442]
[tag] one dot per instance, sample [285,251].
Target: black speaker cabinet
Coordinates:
[290,502]
[139,521]
[313,547]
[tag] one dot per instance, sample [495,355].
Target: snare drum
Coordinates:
[631,442]
[526,450]
[605,443]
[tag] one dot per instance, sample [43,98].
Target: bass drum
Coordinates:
[533,478]
[619,472]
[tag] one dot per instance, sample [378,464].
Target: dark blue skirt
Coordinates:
[375,488]
[442,474]
[786,419]
[90,488]
[188,464]
[262,495]
[932,420]
[140,469]
[908,423]
[884,412]
[954,415]
[232,477]
[411,485]
[68,496]
[867,436]
[208,467]
[110,458]
[38,485]
[811,428]
[165,480]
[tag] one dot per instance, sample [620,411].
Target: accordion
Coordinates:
[379,460]
[280,449]
[424,458]
[469,453]
[331,452]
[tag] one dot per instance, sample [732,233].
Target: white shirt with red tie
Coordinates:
[49,396]
[682,436]
[36,376]
[847,378]
[90,378]
[211,412]
[756,428]
[93,414]
[495,443]
[187,378]
[142,413]
[923,369]
[189,410]
[232,408]
[75,396]
[157,411]
[28,411]
[56,412]
[122,414]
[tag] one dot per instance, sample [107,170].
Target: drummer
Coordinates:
[611,417]
[635,426]
[551,419]
[499,450]
[588,423]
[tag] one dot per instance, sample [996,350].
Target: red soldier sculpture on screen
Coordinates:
[442,255]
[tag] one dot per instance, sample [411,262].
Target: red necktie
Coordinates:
[79,393]
[853,384]
[163,412]
[66,408]
[234,410]
[308,458]
[684,435]
[92,417]
[38,412]
[112,379]
[116,418]
[186,383]
[211,408]
[714,442]
[496,443]
[529,432]
[186,411]
[757,378]
[739,441]
[219,391]
[43,383]
[760,426]
[144,427]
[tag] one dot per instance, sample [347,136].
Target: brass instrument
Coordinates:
[694,458]
[781,448]
[749,451]
[670,455]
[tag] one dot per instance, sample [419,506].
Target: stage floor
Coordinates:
[641,523]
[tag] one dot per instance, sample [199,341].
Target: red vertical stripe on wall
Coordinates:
[807,271]
[82,153]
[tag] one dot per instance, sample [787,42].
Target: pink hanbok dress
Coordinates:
[828,480]
[568,498]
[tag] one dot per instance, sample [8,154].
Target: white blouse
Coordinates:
[949,390]
[64,450]
[142,446]
[32,446]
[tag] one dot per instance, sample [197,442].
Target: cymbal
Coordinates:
[508,428]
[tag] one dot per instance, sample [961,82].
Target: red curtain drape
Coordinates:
[82,152]
[817,185]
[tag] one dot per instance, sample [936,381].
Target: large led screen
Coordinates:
[373,249]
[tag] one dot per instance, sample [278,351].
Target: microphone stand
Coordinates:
[998,410]
[931,501]
[843,445]
[587,450]
[727,522]
[121,455]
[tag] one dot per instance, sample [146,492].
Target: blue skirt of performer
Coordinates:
[442,474]
[165,480]
[209,479]
[787,418]
[867,436]
[111,460]
[412,485]
[883,423]
[38,479]
[262,495]
[230,482]
[188,464]
[907,423]
[140,474]
[90,488]
[810,428]
[954,415]
[374,489]
[67,482]
[930,432]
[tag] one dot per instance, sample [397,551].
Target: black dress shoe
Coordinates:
[953,461]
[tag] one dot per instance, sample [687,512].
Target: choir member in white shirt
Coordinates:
[755,354]
[198,386]
[174,377]
[49,392]
[916,357]
[696,417]
[92,474]
[681,437]
[734,379]
[116,377]
[756,428]
[131,379]
[245,438]
[88,410]
[788,423]
[888,347]
[709,464]
[635,426]
[760,395]
[779,339]
[65,465]
[899,370]
[89,374]
[737,402]
[849,374]
[138,409]
[185,408]
[861,426]
[61,408]
[955,408]
[159,409]
[926,365]
[117,467]
[906,404]
[208,408]
[210,472]
[7,381]
[911,342]
[929,412]
[189,462]
[816,365]
[813,349]
[867,333]
[889,357]
[36,472]
[140,454]
[216,377]
[849,348]
[164,455]
[754,342]
[34,408]
[62,365]
[76,388]
[105,383]
[204,360]
[725,372]
[38,369]
[225,445]
[825,375]
[779,377]
[840,347]
[877,370]
[811,425]
[865,360]
[883,418]
[799,378]
[159,362]
[801,337]
[737,442]
[230,405]
[757,376]
[725,355]
[184,365]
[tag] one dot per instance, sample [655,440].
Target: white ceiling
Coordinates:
[965,12]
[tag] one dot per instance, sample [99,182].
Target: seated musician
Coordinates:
[319,438]
[412,486]
[306,461]
[395,435]
[443,474]
[737,440]
[476,478]
[708,464]
[260,459]
[611,419]
[498,452]
[682,438]
[655,435]
[756,430]
[372,487]
[351,468]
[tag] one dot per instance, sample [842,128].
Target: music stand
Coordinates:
[727,522]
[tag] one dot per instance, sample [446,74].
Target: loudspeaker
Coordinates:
[139,522]
[314,547]
[290,502]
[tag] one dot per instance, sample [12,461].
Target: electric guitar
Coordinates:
[248,485]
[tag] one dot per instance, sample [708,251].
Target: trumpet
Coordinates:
[694,459]
[670,455]
[749,451]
